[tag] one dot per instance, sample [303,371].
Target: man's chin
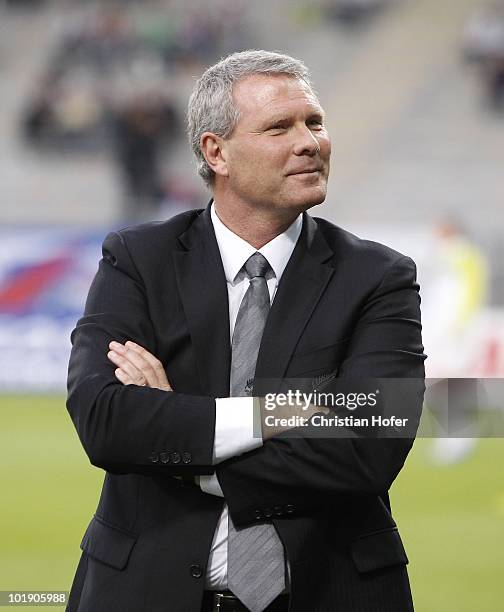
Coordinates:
[312,199]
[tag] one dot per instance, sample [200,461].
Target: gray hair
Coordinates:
[211,106]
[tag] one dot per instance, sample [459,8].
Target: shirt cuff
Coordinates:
[210,485]
[234,428]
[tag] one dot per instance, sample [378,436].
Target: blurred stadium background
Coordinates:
[92,138]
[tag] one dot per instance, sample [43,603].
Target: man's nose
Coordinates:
[306,142]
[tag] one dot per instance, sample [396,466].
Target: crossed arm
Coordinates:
[297,461]
[136,366]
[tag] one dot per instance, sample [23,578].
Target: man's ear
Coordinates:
[213,150]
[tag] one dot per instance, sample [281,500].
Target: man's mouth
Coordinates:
[306,171]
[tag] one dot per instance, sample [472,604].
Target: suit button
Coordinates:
[186,457]
[165,457]
[154,458]
[258,514]
[278,510]
[268,512]
[175,457]
[289,508]
[196,570]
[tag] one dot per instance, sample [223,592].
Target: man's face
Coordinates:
[278,155]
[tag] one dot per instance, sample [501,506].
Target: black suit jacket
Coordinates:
[343,305]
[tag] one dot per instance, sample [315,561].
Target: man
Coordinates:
[184,322]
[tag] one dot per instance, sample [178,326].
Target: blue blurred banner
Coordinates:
[44,278]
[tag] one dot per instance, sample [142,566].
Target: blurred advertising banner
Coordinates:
[45,274]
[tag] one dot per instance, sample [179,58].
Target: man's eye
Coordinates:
[316,123]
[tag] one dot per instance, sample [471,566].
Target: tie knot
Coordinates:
[256,265]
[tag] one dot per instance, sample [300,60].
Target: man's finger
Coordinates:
[153,361]
[123,377]
[136,375]
[141,364]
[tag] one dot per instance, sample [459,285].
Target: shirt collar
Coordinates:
[235,251]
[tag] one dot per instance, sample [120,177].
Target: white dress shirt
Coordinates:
[234,415]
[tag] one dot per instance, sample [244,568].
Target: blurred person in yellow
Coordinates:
[455,292]
[186,322]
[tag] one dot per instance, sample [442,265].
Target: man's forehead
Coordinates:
[264,92]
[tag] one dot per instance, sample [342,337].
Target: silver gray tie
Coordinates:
[256,565]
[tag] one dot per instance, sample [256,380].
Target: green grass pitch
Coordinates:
[451,518]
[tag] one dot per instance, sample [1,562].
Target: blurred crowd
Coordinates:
[353,12]
[483,46]
[110,84]
[109,55]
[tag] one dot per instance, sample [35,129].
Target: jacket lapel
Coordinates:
[301,287]
[202,287]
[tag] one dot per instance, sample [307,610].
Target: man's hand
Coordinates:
[136,366]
